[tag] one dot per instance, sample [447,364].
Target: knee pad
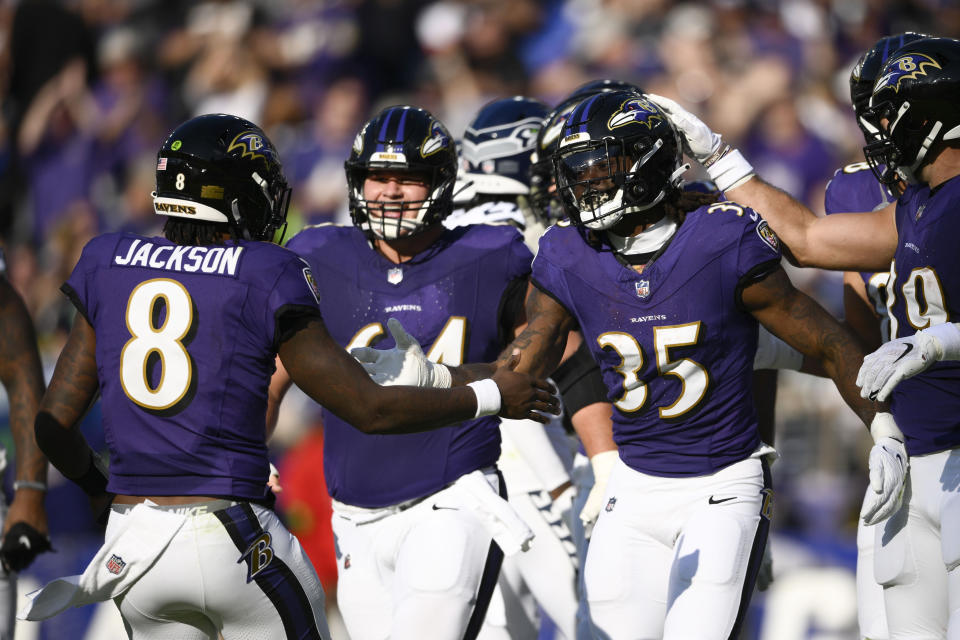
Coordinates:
[893,561]
[950,530]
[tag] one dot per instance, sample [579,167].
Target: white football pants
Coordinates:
[871,615]
[426,570]
[677,558]
[918,552]
[236,573]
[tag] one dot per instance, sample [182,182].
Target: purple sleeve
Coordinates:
[548,276]
[295,290]
[519,258]
[77,287]
[833,201]
[758,245]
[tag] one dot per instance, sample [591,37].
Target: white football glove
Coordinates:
[724,164]
[902,358]
[888,470]
[405,364]
[602,465]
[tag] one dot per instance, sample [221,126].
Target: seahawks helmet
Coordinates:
[618,155]
[496,146]
[864,76]
[405,139]
[221,168]
[917,92]
[543,199]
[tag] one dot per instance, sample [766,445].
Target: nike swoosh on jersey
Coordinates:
[436,508]
[713,500]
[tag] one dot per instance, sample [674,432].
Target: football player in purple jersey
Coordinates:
[419,541]
[914,103]
[25,521]
[669,288]
[855,188]
[179,336]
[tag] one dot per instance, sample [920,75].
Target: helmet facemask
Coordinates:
[602,181]
[402,140]
[389,219]
[906,143]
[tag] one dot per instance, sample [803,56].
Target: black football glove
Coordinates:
[21,545]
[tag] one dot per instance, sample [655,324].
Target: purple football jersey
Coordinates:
[186,340]
[448,298]
[674,348]
[852,189]
[924,290]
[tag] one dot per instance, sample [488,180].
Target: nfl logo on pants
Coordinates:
[115,564]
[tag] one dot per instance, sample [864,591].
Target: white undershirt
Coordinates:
[647,241]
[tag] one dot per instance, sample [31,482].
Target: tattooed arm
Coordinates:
[72,390]
[540,344]
[22,377]
[799,321]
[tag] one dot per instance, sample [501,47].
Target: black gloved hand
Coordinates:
[21,545]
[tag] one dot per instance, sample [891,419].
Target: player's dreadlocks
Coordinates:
[195,232]
[683,202]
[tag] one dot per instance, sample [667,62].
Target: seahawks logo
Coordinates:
[251,145]
[906,67]
[436,140]
[635,110]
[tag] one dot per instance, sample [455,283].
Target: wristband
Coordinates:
[730,170]
[716,155]
[488,397]
[441,376]
[884,426]
[94,481]
[29,484]
[947,336]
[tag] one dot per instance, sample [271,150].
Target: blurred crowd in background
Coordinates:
[90,88]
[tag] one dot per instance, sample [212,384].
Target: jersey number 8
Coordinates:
[149,343]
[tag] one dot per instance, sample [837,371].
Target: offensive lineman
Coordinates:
[414,539]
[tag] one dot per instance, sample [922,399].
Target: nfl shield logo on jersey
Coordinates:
[611,503]
[115,564]
[395,275]
[643,288]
